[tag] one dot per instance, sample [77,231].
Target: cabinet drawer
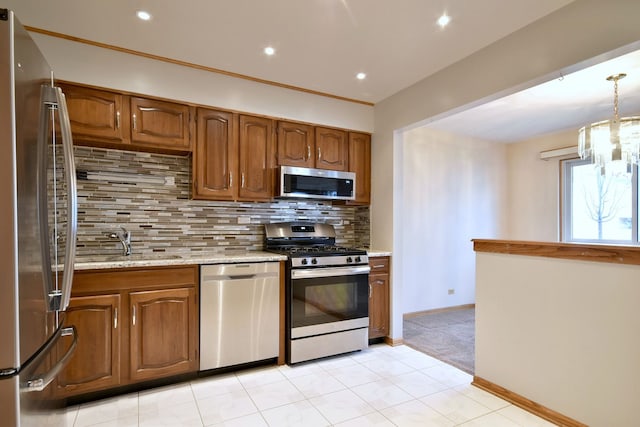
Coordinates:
[379,264]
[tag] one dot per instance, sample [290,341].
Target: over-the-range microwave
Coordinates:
[316,183]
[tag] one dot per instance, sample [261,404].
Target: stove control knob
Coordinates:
[349,259]
[314,261]
[358,259]
[304,261]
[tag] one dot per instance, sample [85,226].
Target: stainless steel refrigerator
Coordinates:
[37,232]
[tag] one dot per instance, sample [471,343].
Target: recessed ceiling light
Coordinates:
[145,16]
[361,76]
[269,50]
[444,20]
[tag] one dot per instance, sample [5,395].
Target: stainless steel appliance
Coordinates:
[34,291]
[316,183]
[327,290]
[239,313]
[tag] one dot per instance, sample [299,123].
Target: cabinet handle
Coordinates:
[117,119]
[230,180]
[369,290]
[378,266]
[115,318]
[319,153]
[134,315]
[379,282]
[308,152]
[242,184]
[134,122]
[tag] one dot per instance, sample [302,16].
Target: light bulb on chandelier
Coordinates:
[612,145]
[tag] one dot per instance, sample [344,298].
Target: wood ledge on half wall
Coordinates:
[617,254]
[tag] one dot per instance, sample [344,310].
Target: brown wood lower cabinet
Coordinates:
[133,325]
[379,297]
[95,364]
[162,333]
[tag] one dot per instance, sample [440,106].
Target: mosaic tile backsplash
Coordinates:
[148,194]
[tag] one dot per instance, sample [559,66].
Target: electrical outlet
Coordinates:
[451,291]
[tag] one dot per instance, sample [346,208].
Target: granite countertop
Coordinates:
[164,259]
[373,252]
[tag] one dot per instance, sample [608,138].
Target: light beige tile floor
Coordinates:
[381,386]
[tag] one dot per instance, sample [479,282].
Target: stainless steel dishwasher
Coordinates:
[239,313]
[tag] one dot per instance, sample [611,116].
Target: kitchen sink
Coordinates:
[132,257]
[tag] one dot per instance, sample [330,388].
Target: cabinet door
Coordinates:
[296,146]
[163,336]
[360,163]
[95,363]
[96,115]
[379,321]
[160,124]
[215,155]
[378,305]
[332,151]
[256,158]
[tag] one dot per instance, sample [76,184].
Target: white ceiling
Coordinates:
[321,45]
[567,102]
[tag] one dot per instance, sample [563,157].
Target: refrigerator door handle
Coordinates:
[41,382]
[47,102]
[53,98]
[72,198]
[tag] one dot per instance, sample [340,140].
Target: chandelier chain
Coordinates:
[616,117]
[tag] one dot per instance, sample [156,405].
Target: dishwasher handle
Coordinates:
[242,276]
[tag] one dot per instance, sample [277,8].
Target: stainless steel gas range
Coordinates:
[327,290]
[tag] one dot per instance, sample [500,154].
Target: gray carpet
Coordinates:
[448,336]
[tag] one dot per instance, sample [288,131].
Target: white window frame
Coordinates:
[566,166]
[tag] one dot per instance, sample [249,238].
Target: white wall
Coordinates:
[534,187]
[453,190]
[563,333]
[82,63]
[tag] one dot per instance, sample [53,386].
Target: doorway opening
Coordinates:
[447,335]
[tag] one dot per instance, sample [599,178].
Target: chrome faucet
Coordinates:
[125,239]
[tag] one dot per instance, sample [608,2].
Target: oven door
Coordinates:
[325,300]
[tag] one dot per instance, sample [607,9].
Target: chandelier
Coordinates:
[612,145]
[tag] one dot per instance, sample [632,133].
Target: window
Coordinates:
[597,208]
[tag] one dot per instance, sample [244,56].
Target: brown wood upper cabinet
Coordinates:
[109,119]
[313,147]
[360,163]
[296,144]
[256,158]
[233,156]
[215,155]
[97,115]
[332,151]
[160,124]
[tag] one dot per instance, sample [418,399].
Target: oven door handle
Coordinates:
[310,273]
